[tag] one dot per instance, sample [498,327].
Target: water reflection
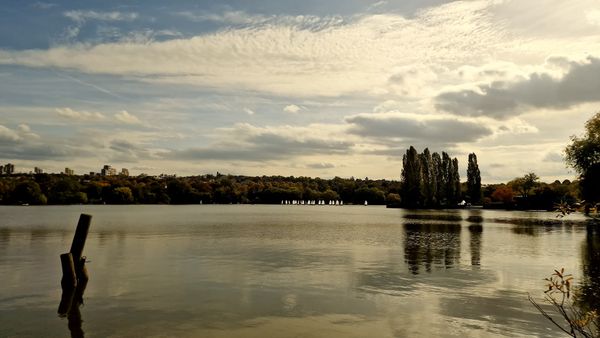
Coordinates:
[262,271]
[475,231]
[438,216]
[434,244]
[70,302]
[590,257]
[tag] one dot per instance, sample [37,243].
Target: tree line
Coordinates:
[437,186]
[42,189]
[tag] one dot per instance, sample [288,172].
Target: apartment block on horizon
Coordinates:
[69,171]
[124,172]
[108,170]
[38,170]
[7,169]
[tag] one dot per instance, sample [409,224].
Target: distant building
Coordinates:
[8,169]
[37,170]
[69,171]
[124,172]
[107,170]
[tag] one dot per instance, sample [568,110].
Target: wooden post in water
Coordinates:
[69,279]
[83,227]
[75,277]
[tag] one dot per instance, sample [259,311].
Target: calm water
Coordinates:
[289,271]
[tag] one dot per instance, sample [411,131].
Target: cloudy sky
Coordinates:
[287,87]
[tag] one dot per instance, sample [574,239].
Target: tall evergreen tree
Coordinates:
[411,179]
[473,179]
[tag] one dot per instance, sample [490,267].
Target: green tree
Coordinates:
[121,195]
[66,190]
[28,192]
[524,185]
[473,179]
[583,154]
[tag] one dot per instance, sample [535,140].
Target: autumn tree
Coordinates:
[503,193]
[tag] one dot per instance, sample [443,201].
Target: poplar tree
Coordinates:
[438,176]
[456,181]
[411,178]
[473,179]
[447,182]
[427,178]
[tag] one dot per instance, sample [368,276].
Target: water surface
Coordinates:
[290,271]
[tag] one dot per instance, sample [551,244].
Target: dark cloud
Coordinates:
[554,157]
[261,145]
[501,99]
[320,165]
[435,131]
[125,151]
[41,151]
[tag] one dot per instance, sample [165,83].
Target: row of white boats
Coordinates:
[313,202]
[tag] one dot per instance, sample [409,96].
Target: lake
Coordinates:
[290,271]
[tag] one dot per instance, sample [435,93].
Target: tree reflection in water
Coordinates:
[475,231]
[431,244]
[589,297]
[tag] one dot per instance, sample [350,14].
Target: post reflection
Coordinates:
[70,302]
[429,245]
[589,298]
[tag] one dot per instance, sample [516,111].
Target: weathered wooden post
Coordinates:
[83,227]
[69,278]
[74,274]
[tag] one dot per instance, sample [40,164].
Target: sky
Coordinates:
[302,88]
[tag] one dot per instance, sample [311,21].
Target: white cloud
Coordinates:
[320,59]
[26,132]
[43,5]
[82,16]
[249,111]
[22,134]
[292,108]
[8,135]
[127,118]
[69,113]
[227,17]
[593,17]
